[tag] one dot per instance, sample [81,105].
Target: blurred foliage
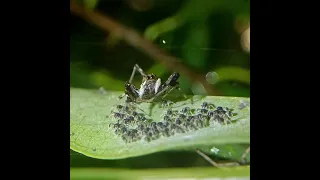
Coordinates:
[202,173]
[90,4]
[204,33]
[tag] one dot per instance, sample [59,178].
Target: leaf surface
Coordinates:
[91,135]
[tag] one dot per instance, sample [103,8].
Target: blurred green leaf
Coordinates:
[198,89]
[104,79]
[90,4]
[90,133]
[194,10]
[161,27]
[185,83]
[157,69]
[233,89]
[83,77]
[80,76]
[242,173]
[198,37]
[234,73]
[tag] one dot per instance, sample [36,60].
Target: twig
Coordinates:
[207,158]
[136,40]
[245,154]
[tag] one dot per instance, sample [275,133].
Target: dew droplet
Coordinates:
[163,42]
[243,104]
[102,91]
[187,138]
[214,150]
[212,77]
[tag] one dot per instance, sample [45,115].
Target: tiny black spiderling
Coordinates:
[118,115]
[182,116]
[178,121]
[202,111]
[166,118]
[206,105]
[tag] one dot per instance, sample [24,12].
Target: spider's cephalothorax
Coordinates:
[151,87]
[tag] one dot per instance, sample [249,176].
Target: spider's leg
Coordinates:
[167,87]
[121,96]
[157,86]
[132,74]
[136,67]
[131,91]
[166,90]
[140,70]
[142,89]
[171,81]
[169,90]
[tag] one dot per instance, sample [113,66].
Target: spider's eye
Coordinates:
[150,76]
[127,84]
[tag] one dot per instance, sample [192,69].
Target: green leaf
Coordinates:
[91,135]
[242,173]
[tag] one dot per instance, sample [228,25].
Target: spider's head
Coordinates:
[149,77]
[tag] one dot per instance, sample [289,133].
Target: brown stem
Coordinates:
[136,40]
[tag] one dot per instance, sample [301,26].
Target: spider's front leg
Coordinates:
[131,92]
[173,79]
[136,67]
[171,84]
[131,89]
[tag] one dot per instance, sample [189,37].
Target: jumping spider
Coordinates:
[151,87]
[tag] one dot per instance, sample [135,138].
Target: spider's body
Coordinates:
[151,87]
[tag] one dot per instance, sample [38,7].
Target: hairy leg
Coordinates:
[136,67]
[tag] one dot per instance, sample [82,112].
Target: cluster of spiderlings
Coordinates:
[132,125]
[127,119]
